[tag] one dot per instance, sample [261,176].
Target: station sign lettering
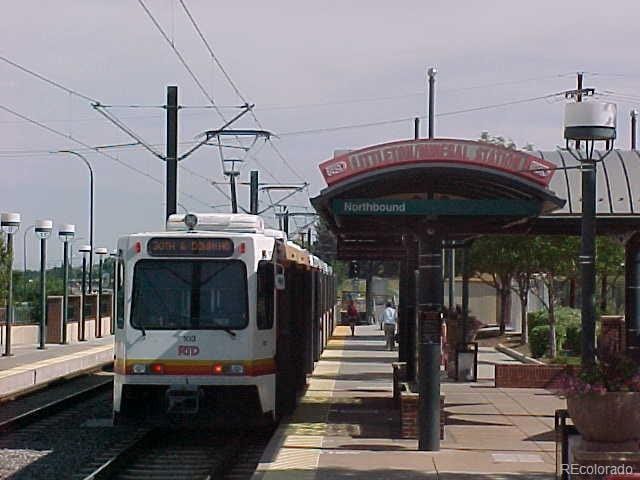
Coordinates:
[450,207]
[190,247]
[515,162]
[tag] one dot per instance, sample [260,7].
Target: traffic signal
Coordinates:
[354,269]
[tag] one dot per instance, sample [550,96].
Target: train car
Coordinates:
[217,319]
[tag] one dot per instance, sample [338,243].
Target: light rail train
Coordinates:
[217,319]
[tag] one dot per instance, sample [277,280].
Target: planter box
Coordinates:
[529,376]
[409,415]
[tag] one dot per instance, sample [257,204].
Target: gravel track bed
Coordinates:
[60,446]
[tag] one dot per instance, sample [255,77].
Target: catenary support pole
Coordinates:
[172,151]
[234,195]
[416,128]
[253,208]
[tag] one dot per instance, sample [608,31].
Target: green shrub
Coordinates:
[566,319]
[573,342]
[539,340]
[535,319]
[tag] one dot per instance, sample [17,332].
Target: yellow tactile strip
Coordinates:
[301,438]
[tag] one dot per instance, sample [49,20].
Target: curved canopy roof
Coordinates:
[466,188]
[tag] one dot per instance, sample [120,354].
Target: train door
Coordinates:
[265,310]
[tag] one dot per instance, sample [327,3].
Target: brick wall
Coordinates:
[529,376]
[409,415]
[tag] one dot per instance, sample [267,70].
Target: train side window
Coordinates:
[264,304]
[120,294]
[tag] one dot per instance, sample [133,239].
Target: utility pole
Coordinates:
[416,128]
[172,150]
[234,195]
[253,196]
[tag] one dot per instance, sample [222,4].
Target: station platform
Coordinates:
[346,427]
[28,367]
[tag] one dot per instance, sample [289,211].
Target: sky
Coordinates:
[323,76]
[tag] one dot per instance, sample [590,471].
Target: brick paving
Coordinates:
[346,427]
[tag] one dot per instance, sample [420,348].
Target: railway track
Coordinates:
[185,454]
[49,407]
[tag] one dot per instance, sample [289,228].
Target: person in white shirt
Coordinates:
[389,320]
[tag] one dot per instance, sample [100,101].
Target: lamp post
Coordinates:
[43,230]
[66,232]
[101,252]
[10,223]
[81,330]
[86,162]
[114,299]
[589,122]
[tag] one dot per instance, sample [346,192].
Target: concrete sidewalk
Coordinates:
[29,367]
[345,426]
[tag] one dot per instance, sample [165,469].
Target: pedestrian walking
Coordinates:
[389,321]
[352,316]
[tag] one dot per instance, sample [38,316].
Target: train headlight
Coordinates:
[139,368]
[236,369]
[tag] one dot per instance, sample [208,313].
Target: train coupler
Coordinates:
[183,399]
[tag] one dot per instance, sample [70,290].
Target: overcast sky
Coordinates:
[306,66]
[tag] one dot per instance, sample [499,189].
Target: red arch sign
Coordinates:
[459,152]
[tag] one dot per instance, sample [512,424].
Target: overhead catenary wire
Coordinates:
[406,119]
[87,146]
[234,87]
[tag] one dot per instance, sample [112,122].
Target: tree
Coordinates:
[496,258]
[4,271]
[609,264]
[556,260]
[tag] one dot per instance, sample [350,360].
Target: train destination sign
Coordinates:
[190,247]
[445,151]
[368,207]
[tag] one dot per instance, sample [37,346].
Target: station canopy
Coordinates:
[460,188]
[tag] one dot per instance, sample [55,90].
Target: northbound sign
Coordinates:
[493,207]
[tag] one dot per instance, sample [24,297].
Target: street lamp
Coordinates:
[81,331]
[589,122]
[114,281]
[10,223]
[43,230]
[101,252]
[86,162]
[66,232]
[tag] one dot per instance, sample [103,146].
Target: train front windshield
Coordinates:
[189,295]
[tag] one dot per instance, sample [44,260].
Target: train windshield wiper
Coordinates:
[219,326]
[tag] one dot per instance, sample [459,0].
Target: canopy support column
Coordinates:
[430,303]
